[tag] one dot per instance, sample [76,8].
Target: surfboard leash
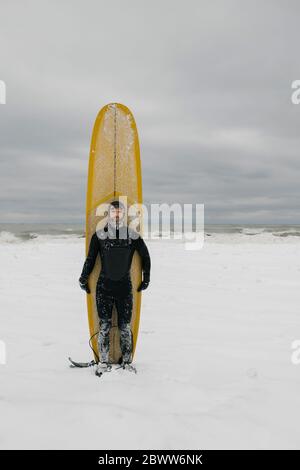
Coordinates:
[93,362]
[91,346]
[90,363]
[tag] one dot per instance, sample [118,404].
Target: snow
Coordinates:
[213,356]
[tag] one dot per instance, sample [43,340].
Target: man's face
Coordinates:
[116,214]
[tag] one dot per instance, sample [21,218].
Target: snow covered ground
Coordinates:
[213,356]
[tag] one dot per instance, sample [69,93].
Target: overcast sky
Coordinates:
[209,84]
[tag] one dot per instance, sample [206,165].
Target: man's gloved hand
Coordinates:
[145,283]
[83,282]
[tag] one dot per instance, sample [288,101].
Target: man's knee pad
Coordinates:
[105,326]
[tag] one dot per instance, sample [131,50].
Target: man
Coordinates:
[116,244]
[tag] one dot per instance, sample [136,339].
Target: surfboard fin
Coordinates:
[81,364]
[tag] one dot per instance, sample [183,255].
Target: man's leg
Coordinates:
[104,308]
[124,309]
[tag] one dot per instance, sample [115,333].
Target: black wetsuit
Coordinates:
[116,247]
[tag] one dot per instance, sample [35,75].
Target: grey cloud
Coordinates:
[208,83]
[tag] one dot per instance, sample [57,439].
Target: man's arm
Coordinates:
[89,263]
[146,262]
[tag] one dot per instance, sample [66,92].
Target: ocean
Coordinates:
[23,232]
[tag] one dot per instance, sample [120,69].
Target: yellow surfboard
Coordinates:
[114,171]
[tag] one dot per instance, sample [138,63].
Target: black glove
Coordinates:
[83,282]
[145,283]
